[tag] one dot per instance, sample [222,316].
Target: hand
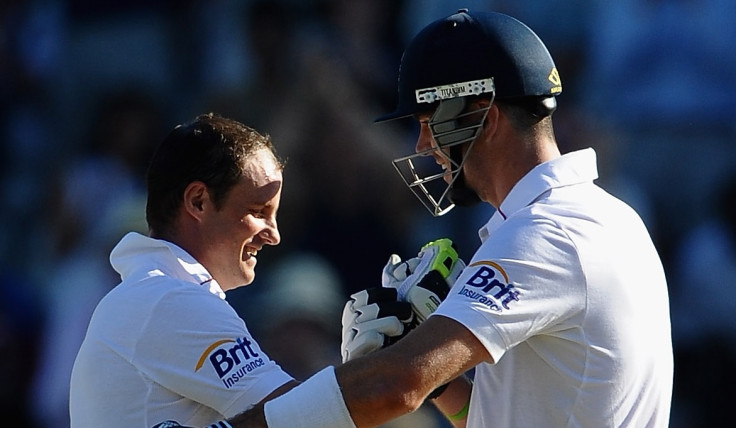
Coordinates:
[425,280]
[372,319]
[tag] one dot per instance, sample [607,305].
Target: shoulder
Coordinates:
[162,302]
[528,235]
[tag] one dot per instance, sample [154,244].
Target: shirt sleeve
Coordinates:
[196,345]
[525,280]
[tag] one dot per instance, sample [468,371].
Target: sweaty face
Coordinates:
[245,223]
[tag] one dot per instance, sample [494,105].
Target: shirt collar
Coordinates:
[569,169]
[137,256]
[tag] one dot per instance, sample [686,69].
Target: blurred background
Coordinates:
[88,88]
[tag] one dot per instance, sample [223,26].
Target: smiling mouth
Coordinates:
[250,252]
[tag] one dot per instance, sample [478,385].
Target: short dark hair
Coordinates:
[528,114]
[211,149]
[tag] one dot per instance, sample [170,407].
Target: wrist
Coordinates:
[438,391]
[462,414]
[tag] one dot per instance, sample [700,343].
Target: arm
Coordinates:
[454,402]
[397,379]
[388,384]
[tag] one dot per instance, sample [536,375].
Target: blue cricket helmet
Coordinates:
[460,53]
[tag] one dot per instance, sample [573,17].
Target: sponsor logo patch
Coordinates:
[490,286]
[231,359]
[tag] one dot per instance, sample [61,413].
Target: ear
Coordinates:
[196,199]
[490,126]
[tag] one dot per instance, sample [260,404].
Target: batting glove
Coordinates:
[424,281]
[372,319]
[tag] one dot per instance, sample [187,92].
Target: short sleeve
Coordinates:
[523,281]
[197,346]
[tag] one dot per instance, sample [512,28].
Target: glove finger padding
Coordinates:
[360,301]
[370,318]
[396,271]
[425,280]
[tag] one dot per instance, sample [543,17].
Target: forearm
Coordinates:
[451,402]
[454,401]
[378,389]
[374,389]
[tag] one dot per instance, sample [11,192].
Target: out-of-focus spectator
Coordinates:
[361,37]
[294,311]
[703,308]
[664,72]
[75,284]
[347,192]
[269,38]
[98,196]
[114,45]
[20,319]
[31,41]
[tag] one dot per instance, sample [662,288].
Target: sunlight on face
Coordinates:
[246,222]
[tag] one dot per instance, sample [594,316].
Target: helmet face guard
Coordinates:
[451,126]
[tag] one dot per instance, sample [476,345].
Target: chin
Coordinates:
[248,276]
[247,270]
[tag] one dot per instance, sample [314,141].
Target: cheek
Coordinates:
[248,228]
[469,170]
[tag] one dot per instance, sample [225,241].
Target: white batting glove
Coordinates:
[425,280]
[372,319]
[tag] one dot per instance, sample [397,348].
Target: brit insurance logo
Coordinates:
[490,286]
[231,359]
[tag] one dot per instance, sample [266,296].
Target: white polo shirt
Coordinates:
[164,344]
[568,295]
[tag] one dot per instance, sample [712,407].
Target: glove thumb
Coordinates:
[387,276]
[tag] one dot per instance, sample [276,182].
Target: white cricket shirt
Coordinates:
[568,295]
[164,344]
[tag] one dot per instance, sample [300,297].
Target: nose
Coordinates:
[424,141]
[270,233]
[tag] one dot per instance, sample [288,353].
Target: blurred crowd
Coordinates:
[88,88]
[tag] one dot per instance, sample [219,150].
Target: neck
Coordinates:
[509,166]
